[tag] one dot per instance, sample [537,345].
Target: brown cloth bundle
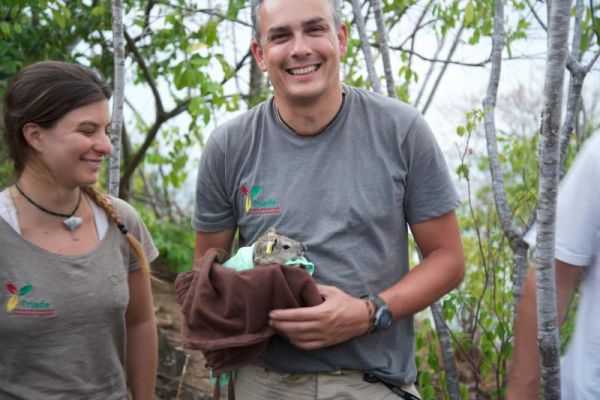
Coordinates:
[226,313]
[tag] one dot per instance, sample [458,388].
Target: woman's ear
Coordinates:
[32,133]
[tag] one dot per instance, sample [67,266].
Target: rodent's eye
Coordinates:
[285,247]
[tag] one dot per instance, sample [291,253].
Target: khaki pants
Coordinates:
[255,383]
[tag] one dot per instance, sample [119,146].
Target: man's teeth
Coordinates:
[305,70]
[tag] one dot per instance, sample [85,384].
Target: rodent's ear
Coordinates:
[271,231]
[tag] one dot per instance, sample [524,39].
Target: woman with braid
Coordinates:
[76,314]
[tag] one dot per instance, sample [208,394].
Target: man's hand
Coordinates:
[339,318]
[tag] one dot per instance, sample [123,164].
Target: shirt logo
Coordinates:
[258,206]
[19,304]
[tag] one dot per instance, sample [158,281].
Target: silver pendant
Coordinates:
[72,222]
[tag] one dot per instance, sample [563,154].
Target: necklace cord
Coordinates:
[318,131]
[49,211]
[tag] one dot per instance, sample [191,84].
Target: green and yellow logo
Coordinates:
[18,304]
[255,206]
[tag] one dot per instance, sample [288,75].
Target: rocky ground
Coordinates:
[181,373]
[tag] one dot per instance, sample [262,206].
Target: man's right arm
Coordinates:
[524,371]
[206,240]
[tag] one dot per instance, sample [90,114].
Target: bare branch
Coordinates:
[588,67]
[430,71]
[443,70]
[489,105]
[446,61]
[139,59]
[535,15]
[575,86]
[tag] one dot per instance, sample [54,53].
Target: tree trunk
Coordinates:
[256,84]
[366,47]
[519,272]
[548,338]
[384,48]
[452,382]
[118,96]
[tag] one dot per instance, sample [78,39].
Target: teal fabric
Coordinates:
[242,260]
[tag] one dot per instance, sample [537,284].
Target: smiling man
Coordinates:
[346,172]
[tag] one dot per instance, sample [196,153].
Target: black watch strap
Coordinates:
[382,317]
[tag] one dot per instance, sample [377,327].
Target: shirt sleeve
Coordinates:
[430,191]
[578,208]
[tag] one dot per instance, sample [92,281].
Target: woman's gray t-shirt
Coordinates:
[62,317]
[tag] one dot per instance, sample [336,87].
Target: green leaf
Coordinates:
[255,191]
[60,19]
[463,171]
[469,14]
[210,32]
[25,290]
[5,28]
[98,11]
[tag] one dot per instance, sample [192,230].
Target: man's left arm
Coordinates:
[441,269]
[342,317]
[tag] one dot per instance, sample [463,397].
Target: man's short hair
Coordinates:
[255,13]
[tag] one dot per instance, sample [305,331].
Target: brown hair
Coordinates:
[255,6]
[42,93]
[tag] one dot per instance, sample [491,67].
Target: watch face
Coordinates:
[383,318]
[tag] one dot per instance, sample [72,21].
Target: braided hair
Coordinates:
[104,202]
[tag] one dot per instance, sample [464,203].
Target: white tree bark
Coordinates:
[118,96]
[452,382]
[578,73]
[384,48]
[366,47]
[548,337]
[513,233]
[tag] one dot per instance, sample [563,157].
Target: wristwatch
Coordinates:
[382,318]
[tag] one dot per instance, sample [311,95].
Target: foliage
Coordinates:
[175,242]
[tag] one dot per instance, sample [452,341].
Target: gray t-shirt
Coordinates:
[62,317]
[347,194]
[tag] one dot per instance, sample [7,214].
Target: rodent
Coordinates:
[272,248]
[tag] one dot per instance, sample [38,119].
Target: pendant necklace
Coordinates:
[70,220]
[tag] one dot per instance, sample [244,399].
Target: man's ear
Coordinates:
[343,38]
[258,55]
[32,134]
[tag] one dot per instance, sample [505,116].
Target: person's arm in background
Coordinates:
[524,370]
[341,317]
[142,347]
[220,240]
